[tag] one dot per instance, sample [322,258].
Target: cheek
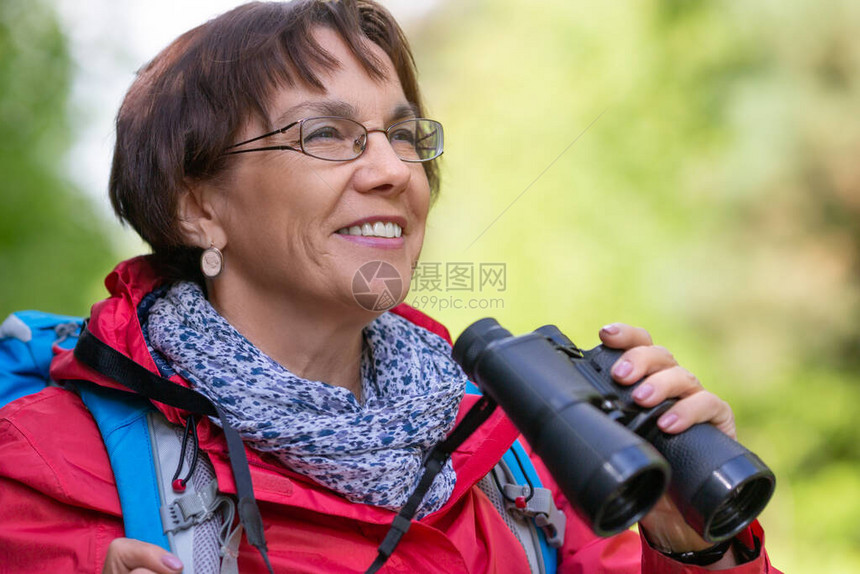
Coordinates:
[420,192]
[422,209]
[287,202]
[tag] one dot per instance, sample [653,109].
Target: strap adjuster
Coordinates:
[191,508]
[540,507]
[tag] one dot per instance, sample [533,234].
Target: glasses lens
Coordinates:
[416,140]
[333,138]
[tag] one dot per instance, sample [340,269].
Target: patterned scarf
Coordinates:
[370,453]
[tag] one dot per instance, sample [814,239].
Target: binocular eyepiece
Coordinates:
[605,452]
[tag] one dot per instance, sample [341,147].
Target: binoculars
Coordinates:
[605,452]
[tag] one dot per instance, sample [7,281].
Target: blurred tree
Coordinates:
[53,244]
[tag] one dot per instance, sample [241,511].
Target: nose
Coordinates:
[380,170]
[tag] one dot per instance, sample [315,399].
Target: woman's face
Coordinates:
[283,213]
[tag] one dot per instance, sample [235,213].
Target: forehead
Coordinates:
[349,90]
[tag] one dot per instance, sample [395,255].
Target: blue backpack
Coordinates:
[155,509]
[152,510]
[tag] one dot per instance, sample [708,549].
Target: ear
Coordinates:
[198,216]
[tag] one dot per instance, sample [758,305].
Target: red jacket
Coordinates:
[59,508]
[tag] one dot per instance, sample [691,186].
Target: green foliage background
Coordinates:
[691,167]
[54,247]
[714,198]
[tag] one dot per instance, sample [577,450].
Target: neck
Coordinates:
[312,342]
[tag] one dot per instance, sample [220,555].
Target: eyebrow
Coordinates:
[340,109]
[405,111]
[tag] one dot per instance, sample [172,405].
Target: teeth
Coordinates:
[376,229]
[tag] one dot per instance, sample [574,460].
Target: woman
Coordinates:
[266,156]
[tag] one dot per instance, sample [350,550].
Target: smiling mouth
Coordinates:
[386,229]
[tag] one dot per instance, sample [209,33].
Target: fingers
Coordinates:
[128,556]
[640,362]
[622,336]
[670,382]
[701,407]
[663,379]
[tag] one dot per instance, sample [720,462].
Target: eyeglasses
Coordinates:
[341,139]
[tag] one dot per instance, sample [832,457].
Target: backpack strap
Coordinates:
[106,360]
[434,460]
[538,503]
[122,421]
[143,448]
[515,489]
[198,521]
[28,340]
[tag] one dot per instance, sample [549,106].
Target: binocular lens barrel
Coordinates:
[611,475]
[717,484]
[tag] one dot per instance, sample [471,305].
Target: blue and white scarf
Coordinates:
[370,453]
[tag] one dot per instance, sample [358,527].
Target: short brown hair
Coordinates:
[188,104]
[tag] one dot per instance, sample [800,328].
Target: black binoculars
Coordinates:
[605,452]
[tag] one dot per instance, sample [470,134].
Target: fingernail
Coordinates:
[666,422]
[171,561]
[611,329]
[643,391]
[622,369]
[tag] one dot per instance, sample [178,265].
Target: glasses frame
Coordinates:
[301,148]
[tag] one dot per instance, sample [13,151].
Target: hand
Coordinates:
[128,556]
[664,526]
